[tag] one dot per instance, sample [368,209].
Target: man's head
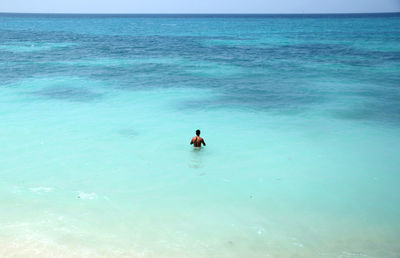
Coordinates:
[198,132]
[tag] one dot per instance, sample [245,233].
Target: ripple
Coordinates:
[68,93]
[33,46]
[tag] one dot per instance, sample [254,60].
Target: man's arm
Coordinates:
[191,142]
[204,144]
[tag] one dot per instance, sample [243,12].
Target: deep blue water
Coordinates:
[274,55]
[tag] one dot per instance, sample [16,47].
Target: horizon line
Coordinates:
[181,13]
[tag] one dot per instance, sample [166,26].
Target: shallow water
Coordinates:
[300,115]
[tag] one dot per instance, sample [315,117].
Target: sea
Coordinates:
[300,115]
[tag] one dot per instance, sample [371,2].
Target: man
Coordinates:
[197,140]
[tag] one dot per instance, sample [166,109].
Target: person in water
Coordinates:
[197,140]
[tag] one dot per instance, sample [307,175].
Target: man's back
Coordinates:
[197,140]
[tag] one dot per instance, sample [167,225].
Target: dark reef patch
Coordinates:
[128,132]
[68,93]
[353,114]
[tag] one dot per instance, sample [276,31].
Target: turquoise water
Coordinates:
[300,114]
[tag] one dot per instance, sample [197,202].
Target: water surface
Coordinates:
[300,115]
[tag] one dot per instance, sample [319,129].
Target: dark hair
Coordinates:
[197,132]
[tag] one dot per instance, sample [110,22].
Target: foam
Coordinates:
[87,196]
[41,189]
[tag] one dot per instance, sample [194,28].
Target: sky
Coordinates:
[199,6]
